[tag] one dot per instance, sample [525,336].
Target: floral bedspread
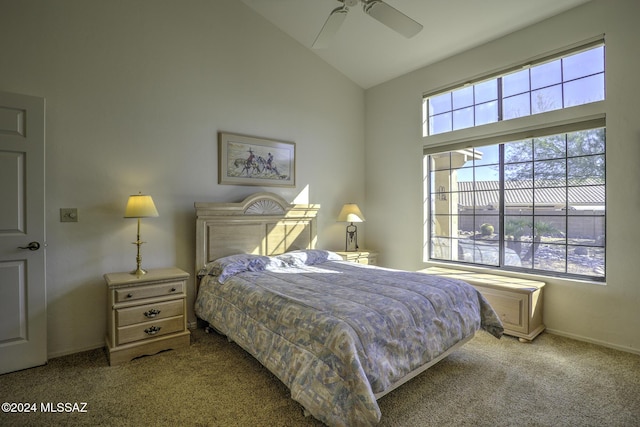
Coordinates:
[336,333]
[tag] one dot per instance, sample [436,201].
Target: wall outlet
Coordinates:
[68,215]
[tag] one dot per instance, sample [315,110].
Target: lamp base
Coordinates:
[351,243]
[139,272]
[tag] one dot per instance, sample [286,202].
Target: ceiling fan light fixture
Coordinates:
[392,18]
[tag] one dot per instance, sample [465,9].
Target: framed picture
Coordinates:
[247,160]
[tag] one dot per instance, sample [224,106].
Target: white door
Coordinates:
[23,316]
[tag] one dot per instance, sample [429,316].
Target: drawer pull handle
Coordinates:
[152,330]
[151,313]
[129,295]
[172,290]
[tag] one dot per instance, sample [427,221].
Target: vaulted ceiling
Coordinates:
[370,53]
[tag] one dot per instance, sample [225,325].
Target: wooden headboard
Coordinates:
[263,223]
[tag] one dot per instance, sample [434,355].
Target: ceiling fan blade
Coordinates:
[330,27]
[392,18]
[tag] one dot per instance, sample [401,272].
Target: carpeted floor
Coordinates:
[553,381]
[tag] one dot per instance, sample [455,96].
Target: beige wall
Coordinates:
[136,91]
[604,314]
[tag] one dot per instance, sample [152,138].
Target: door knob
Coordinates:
[32,246]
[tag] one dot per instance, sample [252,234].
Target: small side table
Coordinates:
[360,256]
[146,314]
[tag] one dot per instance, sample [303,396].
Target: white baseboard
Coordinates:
[592,341]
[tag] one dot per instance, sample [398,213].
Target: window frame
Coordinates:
[498,76]
[565,120]
[498,212]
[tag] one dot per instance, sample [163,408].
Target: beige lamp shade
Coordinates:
[140,206]
[350,213]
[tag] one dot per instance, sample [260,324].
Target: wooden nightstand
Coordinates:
[518,302]
[146,314]
[360,256]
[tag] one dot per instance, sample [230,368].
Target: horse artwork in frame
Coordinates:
[248,160]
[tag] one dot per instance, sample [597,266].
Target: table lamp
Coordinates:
[140,206]
[351,213]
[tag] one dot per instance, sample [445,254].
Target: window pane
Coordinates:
[488,173]
[463,118]
[518,175]
[547,99]
[440,104]
[462,97]
[586,230]
[441,248]
[581,169]
[551,228]
[486,113]
[517,232]
[588,196]
[547,200]
[466,225]
[516,106]
[464,174]
[584,91]
[519,199]
[585,142]
[518,228]
[487,155]
[441,226]
[518,151]
[440,200]
[481,253]
[550,173]
[512,255]
[515,83]
[486,91]
[546,75]
[550,257]
[439,124]
[585,260]
[440,181]
[583,64]
[487,229]
[550,147]
[487,202]
[440,161]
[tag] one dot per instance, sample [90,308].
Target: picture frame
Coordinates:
[248,160]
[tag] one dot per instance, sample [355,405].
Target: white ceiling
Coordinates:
[370,53]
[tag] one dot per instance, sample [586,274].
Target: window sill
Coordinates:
[513,274]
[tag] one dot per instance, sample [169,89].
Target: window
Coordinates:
[529,196]
[536,205]
[575,79]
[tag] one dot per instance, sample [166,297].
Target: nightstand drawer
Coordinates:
[146,330]
[145,313]
[158,290]
[359,257]
[370,260]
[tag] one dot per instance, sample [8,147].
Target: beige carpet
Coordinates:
[553,381]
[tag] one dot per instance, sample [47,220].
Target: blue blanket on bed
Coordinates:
[337,333]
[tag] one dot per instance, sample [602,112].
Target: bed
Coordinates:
[339,335]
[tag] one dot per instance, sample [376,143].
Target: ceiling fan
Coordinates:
[377,9]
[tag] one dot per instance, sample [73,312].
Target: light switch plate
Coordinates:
[68,215]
